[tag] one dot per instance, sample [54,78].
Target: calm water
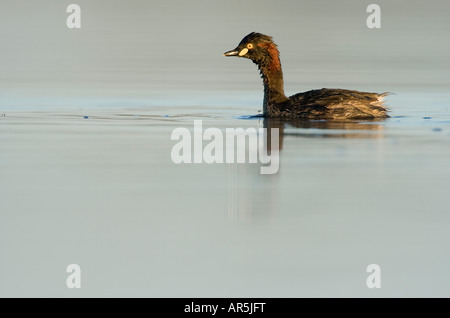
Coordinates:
[102,192]
[86,175]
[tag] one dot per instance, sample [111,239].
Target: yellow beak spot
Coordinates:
[243,52]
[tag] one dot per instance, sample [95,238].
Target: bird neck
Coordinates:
[272,76]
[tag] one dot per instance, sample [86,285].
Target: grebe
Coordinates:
[316,104]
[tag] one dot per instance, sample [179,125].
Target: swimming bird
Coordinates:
[322,103]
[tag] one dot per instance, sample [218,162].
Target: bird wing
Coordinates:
[341,103]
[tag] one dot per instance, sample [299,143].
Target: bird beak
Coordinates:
[231,53]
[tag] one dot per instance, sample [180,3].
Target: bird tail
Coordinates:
[383,95]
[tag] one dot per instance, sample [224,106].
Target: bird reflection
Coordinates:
[322,129]
[254,196]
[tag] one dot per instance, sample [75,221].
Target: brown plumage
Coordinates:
[316,104]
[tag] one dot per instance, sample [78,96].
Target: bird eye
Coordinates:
[250,46]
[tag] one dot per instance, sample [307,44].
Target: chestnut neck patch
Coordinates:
[275,64]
